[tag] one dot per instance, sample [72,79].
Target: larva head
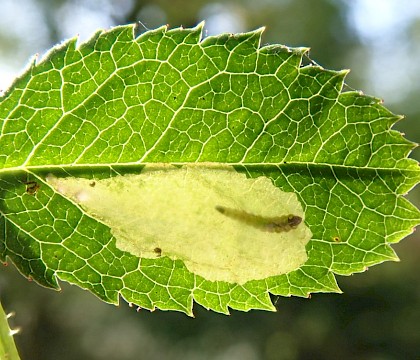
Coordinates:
[293,221]
[220,209]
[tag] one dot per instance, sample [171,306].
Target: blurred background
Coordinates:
[378,315]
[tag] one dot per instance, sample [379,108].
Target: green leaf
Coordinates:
[118,102]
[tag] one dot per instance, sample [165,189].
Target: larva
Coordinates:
[275,224]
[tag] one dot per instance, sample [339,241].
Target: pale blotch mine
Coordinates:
[174,210]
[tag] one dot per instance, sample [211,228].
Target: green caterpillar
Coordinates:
[275,224]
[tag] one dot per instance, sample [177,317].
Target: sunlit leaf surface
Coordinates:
[119,101]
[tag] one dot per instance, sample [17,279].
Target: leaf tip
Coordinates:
[199,29]
[344,72]
[303,50]
[260,30]
[395,258]
[398,118]
[200,25]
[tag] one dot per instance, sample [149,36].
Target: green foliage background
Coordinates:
[301,327]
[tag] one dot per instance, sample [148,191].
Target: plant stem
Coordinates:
[8,349]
